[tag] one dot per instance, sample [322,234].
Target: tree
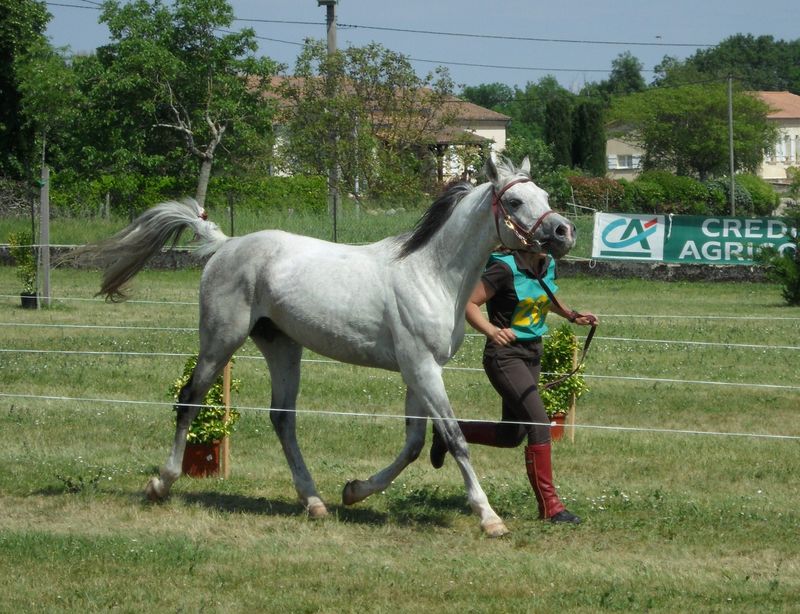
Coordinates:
[489,95]
[47,86]
[173,72]
[626,76]
[685,129]
[758,62]
[366,110]
[22,23]
[589,137]
[558,128]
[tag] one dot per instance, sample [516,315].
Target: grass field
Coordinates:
[674,521]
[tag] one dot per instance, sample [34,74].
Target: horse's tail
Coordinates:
[122,256]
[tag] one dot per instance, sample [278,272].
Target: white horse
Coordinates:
[397,304]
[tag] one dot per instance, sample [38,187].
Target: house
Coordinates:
[472,127]
[785,114]
[624,159]
[469,129]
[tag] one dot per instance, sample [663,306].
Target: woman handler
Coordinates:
[517,305]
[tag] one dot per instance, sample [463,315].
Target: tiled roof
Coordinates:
[784,105]
[462,110]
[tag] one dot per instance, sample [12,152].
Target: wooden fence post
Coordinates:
[572,404]
[225,451]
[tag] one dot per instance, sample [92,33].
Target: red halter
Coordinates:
[525,236]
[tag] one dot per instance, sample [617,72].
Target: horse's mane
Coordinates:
[434,218]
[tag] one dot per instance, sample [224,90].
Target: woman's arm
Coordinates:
[478,321]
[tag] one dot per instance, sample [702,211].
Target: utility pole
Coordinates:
[333,170]
[730,144]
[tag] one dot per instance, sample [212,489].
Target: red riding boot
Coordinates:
[540,474]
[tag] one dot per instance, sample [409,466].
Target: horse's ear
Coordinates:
[525,167]
[490,170]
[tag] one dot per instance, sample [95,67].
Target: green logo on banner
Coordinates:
[634,231]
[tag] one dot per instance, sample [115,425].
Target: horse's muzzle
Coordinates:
[556,236]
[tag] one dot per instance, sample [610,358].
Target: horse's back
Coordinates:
[329,297]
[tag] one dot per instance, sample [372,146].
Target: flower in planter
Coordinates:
[20,246]
[209,425]
[559,348]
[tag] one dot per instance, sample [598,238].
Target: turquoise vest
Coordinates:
[528,318]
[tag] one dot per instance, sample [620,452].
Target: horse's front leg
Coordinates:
[426,378]
[426,388]
[358,490]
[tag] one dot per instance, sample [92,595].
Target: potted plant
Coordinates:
[20,246]
[557,360]
[209,428]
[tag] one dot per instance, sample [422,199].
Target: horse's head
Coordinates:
[523,217]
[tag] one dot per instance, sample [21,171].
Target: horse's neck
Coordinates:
[459,250]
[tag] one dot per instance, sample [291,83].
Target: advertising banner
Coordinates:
[686,238]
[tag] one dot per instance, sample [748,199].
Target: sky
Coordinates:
[486,41]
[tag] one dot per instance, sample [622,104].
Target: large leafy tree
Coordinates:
[171,85]
[22,23]
[756,62]
[365,110]
[685,129]
[49,96]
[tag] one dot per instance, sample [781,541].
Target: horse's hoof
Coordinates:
[317,510]
[495,528]
[349,494]
[153,491]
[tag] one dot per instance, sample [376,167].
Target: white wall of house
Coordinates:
[492,131]
[623,160]
[784,153]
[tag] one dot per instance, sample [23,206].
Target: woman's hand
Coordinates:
[584,319]
[502,336]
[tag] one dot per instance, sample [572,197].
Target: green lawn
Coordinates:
[674,521]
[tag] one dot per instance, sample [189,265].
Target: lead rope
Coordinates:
[575,315]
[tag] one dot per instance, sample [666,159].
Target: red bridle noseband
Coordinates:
[498,209]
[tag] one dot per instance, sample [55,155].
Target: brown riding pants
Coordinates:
[514,372]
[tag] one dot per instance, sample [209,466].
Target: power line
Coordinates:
[536,39]
[524,38]
[536,68]
[74,6]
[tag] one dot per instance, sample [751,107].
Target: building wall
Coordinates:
[623,160]
[784,153]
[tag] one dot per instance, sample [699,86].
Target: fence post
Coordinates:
[573,408]
[225,451]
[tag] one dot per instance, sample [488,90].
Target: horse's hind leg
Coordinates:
[357,490]
[283,358]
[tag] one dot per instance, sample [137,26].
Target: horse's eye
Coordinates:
[514,203]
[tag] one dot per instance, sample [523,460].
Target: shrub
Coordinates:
[20,246]
[743,200]
[209,425]
[763,196]
[597,192]
[557,187]
[682,195]
[559,348]
[642,196]
[301,193]
[785,268]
